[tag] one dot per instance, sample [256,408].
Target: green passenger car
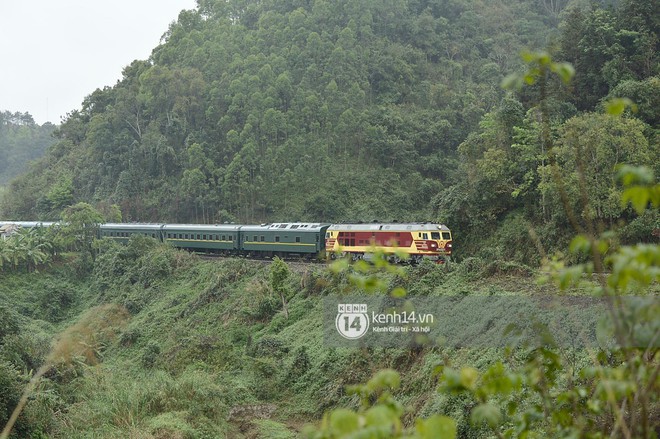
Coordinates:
[222,238]
[123,232]
[292,239]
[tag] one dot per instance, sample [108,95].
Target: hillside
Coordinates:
[202,349]
[21,141]
[256,111]
[355,111]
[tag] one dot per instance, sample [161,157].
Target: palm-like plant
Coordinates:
[27,247]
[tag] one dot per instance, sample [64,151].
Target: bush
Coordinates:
[10,390]
[56,301]
[150,355]
[8,323]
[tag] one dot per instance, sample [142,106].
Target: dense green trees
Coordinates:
[21,141]
[281,101]
[350,110]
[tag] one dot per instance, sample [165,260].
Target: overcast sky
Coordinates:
[53,53]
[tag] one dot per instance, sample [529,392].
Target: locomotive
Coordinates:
[415,241]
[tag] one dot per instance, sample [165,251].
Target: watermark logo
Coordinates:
[352,321]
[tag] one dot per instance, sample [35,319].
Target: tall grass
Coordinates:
[81,342]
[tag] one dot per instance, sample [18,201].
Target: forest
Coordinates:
[22,140]
[528,127]
[354,111]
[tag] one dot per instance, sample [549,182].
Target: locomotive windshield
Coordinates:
[435,235]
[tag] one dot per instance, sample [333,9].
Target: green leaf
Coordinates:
[580,244]
[617,106]
[436,427]
[386,378]
[638,196]
[469,377]
[343,421]
[487,413]
[565,71]
[381,415]
[398,292]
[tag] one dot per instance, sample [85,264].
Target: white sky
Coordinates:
[53,53]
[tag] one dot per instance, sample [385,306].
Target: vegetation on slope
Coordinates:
[207,350]
[247,107]
[21,141]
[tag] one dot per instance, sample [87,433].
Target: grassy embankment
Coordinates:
[208,352]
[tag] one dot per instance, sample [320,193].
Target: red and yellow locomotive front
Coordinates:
[418,241]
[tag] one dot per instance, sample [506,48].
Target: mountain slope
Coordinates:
[346,110]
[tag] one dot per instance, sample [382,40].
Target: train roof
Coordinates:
[203,227]
[298,227]
[28,223]
[131,226]
[394,227]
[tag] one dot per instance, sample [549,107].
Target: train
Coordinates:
[314,240]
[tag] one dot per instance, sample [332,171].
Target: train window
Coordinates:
[420,235]
[294,226]
[426,236]
[317,238]
[255,238]
[263,238]
[435,235]
[283,226]
[198,237]
[446,235]
[297,238]
[277,239]
[224,238]
[185,236]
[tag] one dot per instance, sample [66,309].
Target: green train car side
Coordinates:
[266,240]
[279,239]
